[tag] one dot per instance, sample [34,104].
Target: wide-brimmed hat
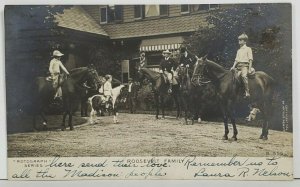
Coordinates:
[243,37]
[166,52]
[108,77]
[57,53]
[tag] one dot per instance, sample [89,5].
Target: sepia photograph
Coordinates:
[172,82]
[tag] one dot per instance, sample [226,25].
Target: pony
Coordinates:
[229,89]
[96,104]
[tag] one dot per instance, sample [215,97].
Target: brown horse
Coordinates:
[230,88]
[43,93]
[160,88]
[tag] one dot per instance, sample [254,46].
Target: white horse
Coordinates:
[96,101]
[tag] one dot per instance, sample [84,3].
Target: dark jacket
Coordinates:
[190,59]
[167,65]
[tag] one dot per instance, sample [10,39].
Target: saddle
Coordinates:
[175,81]
[250,75]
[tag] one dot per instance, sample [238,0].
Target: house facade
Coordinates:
[132,29]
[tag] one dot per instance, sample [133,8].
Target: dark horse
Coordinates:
[230,88]
[160,88]
[185,91]
[71,88]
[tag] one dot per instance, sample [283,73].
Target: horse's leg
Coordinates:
[176,100]
[225,118]
[156,98]
[266,113]
[63,125]
[162,102]
[34,122]
[232,119]
[70,120]
[92,114]
[44,120]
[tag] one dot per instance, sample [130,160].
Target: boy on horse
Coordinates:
[167,67]
[107,90]
[54,69]
[243,61]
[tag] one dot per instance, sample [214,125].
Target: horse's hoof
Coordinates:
[71,128]
[261,137]
[265,138]
[63,129]
[225,137]
[233,138]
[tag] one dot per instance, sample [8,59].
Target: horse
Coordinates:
[43,92]
[96,103]
[185,90]
[160,88]
[229,85]
[70,89]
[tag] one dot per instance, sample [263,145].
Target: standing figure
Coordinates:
[132,95]
[243,61]
[167,67]
[54,69]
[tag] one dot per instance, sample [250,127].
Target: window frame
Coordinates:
[185,12]
[141,12]
[167,9]
[106,19]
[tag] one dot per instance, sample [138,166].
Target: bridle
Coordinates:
[198,79]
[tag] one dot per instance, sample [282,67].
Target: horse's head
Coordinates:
[200,72]
[92,78]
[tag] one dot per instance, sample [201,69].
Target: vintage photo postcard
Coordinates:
[164,91]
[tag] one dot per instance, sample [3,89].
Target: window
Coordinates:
[163,10]
[111,13]
[213,6]
[103,13]
[118,12]
[139,11]
[200,7]
[185,9]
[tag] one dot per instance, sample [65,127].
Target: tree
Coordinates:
[31,34]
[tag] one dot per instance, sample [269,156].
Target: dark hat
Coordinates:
[183,49]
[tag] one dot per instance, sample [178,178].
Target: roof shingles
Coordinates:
[154,27]
[77,19]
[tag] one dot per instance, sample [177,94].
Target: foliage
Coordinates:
[30,37]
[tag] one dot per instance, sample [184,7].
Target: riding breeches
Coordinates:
[243,68]
[169,76]
[55,78]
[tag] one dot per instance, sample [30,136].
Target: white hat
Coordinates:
[57,53]
[243,37]
[167,51]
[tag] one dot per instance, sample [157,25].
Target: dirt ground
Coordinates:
[142,135]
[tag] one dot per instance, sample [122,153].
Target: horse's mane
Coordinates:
[214,65]
[151,73]
[77,70]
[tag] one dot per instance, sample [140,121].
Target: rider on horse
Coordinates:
[187,59]
[243,61]
[54,69]
[167,67]
[106,90]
